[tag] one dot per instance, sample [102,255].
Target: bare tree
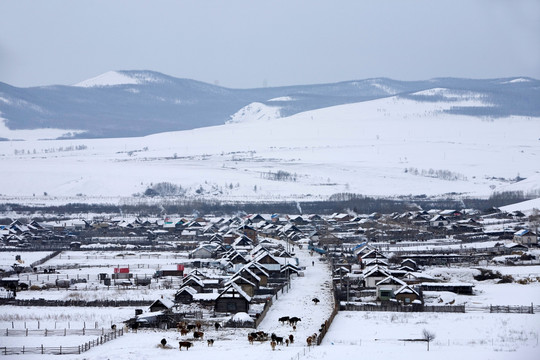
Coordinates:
[428,337]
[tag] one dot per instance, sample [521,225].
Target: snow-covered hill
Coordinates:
[397,145]
[138,103]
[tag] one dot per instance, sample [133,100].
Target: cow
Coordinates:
[277,339]
[283,319]
[259,336]
[273,345]
[217,326]
[291,338]
[163,342]
[210,342]
[198,325]
[184,331]
[191,327]
[250,339]
[294,320]
[316,301]
[309,340]
[198,334]
[186,344]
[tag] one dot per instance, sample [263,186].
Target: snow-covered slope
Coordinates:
[255,112]
[390,146]
[110,78]
[526,207]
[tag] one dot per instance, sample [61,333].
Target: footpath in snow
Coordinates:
[298,300]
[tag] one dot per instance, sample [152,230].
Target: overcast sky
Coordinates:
[249,43]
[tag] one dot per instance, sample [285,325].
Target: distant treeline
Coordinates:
[342,202]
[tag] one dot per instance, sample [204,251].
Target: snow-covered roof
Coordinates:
[188,289]
[168,303]
[390,280]
[232,287]
[406,289]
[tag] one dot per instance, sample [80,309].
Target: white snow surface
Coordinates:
[35,134]
[110,78]
[282,98]
[525,207]
[255,112]
[390,146]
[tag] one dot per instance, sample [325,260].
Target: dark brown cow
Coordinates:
[186,344]
[294,320]
[198,334]
[283,319]
[210,342]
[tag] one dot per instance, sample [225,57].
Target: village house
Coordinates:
[232,300]
[526,237]
[438,221]
[387,287]
[407,295]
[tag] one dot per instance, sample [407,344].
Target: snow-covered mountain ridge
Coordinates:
[138,103]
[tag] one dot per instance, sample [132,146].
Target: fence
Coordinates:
[509,309]
[324,327]
[52,332]
[94,303]
[46,258]
[513,309]
[400,308]
[62,350]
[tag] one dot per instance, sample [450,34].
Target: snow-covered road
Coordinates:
[297,301]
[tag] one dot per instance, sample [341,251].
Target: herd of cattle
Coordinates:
[260,336]
[185,328]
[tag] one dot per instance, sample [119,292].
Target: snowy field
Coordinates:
[466,336]
[7,258]
[391,146]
